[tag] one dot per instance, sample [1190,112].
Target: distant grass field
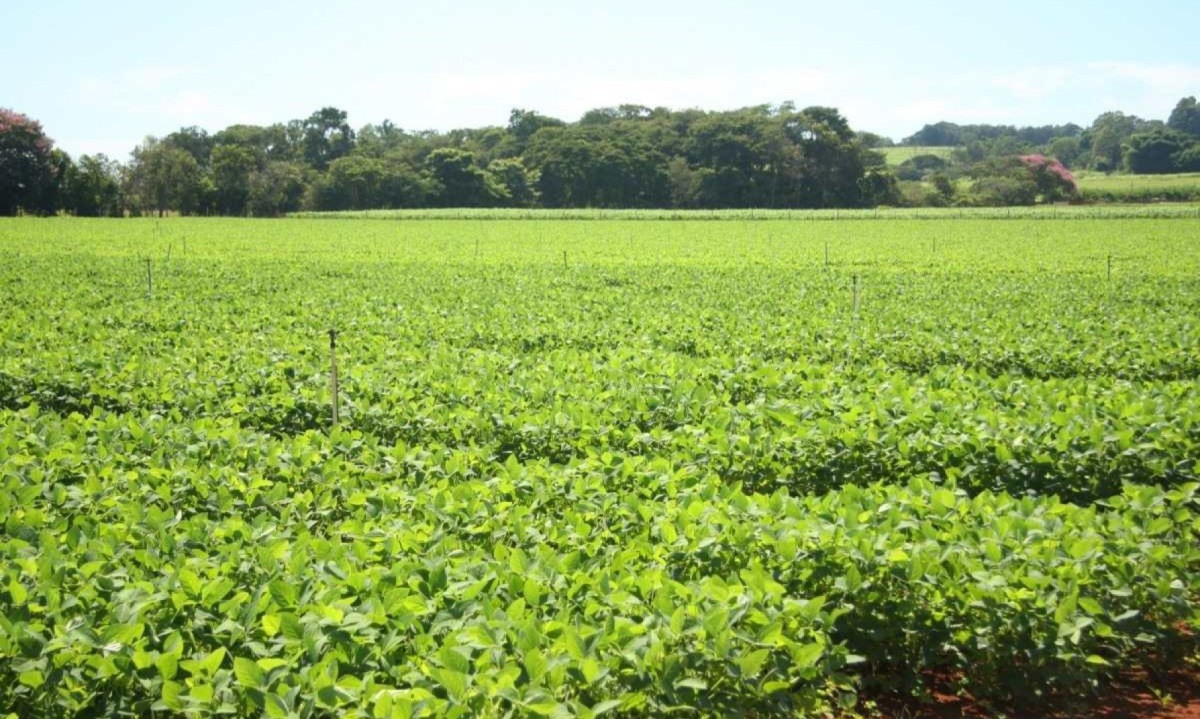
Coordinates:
[897,155]
[1097,181]
[1098,187]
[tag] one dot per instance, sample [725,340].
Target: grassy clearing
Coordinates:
[897,155]
[1097,187]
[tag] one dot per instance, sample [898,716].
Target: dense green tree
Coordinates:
[1156,151]
[951,134]
[940,134]
[1107,137]
[28,169]
[275,189]
[879,187]
[379,140]
[1185,117]
[460,182]
[358,182]
[404,187]
[266,142]
[832,162]
[518,181]
[92,187]
[741,156]
[1189,159]
[522,124]
[163,177]
[352,183]
[195,141]
[606,115]
[918,167]
[1068,150]
[684,183]
[599,165]
[1003,181]
[232,166]
[872,140]
[326,137]
[1004,190]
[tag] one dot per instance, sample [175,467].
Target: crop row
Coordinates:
[800,428]
[202,567]
[757,375]
[1144,203]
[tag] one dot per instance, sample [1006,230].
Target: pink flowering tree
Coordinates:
[26,167]
[1054,181]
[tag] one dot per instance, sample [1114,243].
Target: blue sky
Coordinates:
[101,76]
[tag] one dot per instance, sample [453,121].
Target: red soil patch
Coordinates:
[1133,695]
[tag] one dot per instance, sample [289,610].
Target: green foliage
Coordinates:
[1180,187]
[949,134]
[624,157]
[518,183]
[918,167]
[1151,209]
[597,166]
[898,154]
[276,189]
[678,474]
[195,141]
[326,137]
[163,177]
[1108,135]
[1156,152]
[28,172]
[457,181]
[92,187]
[232,168]
[1003,181]
[1185,117]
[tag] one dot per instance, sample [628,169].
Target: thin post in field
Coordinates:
[333,373]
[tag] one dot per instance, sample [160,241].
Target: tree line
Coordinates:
[1114,142]
[630,156]
[627,156]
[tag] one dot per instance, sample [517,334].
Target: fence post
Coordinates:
[333,373]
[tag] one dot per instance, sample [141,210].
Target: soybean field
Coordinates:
[593,467]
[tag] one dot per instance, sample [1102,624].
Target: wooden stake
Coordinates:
[856,295]
[1110,268]
[149,281]
[333,373]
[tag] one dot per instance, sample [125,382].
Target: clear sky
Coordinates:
[102,75]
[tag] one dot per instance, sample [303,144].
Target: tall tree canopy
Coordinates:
[28,170]
[624,156]
[1185,117]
